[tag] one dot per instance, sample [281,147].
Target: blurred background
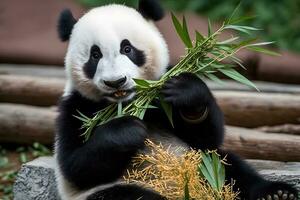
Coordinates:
[262,125]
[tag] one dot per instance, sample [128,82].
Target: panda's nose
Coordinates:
[115,84]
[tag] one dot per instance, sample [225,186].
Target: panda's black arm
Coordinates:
[105,156]
[197,118]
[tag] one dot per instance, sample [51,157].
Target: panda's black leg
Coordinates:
[125,192]
[251,185]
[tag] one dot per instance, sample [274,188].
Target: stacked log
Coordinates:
[28,112]
[30,90]
[241,108]
[26,124]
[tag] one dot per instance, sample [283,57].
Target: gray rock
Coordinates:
[36,181]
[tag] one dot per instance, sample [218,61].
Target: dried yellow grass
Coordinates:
[168,174]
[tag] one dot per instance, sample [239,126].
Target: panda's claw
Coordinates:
[274,191]
[291,196]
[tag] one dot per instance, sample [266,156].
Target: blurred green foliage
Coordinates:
[279,19]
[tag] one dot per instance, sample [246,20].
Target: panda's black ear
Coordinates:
[151,9]
[66,23]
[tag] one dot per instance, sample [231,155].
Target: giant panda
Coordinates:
[108,47]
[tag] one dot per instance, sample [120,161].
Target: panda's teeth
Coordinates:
[120,93]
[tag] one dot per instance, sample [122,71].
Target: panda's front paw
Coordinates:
[126,133]
[186,91]
[273,191]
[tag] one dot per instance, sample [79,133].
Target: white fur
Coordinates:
[106,27]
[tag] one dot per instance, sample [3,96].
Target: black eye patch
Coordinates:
[91,66]
[135,55]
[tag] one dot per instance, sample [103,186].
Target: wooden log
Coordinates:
[258,145]
[248,109]
[267,87]
[32,70]
[30,90]
[293,129]
[26,124]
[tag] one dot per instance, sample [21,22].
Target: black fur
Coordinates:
[66,23]
[151,9]
[90,67]
[135,55]
[249,182]
[121,192]
[107,153]
[187,92]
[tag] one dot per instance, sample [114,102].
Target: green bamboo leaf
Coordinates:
[151,107]
[222,175]
[228,41]
[168,110]
[186,33]
[260,44]
[217,169]
[263,50]
[180,31]
[229,21]
[250,28]
[238,62]
[141,82]
[120,108]
[231,73]
[245,43]
[199,36]
[209,27]
[212,170]
[186,189]
[83,115]
[207,171]
[142,114]
[81,119]
[203,171]
[244,29]
[214,78]
[242,19]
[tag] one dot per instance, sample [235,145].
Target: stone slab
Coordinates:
[36,181]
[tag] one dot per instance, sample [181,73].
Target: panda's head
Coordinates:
[111,45]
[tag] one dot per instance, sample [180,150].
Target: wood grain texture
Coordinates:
[27,124]
[258,145]
[248,109]
[30,90]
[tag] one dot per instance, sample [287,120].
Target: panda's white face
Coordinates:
[109,46]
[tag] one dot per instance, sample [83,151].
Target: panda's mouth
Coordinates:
[121,94]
